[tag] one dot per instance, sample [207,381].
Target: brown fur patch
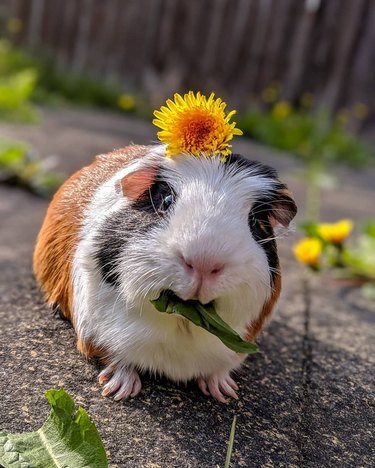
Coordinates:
[88,349]
[255,327]
[58,237]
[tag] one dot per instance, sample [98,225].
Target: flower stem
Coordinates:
[314,171]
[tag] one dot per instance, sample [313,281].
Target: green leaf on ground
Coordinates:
[206,317]
[67,439]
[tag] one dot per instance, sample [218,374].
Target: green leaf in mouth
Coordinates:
[206,317]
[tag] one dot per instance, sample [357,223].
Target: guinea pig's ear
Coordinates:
[136,183]
[283,209]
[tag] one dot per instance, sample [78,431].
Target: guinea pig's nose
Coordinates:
[203,267]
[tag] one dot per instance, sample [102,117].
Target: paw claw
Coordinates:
[232,383]
[228,390]
[122,382]
[136,387]
[105,375]
[203,386]
[106,392]
[218,387]
[119,397]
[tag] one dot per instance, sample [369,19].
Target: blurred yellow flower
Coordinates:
[126,102]
[281,110]
[270,94]
[307,99]
[308,251]
[342,116]
[195,124]
[14,25]
[336,233]
[361,111]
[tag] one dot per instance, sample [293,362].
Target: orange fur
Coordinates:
[88,349]
[58,236]
[255,327]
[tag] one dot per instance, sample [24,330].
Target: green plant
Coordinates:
[326,250]
[54,85]
[314,137]
[15,91]
[230,443]
[20,166]
[359,258]
[16,88]
[67,438]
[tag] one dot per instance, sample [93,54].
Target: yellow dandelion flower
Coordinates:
[308,251]
[126,102]
[342,116]
[194,124]
[336,233]
[281,110]
[14,25]
[361,111]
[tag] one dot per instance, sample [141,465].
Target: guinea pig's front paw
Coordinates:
[121,382]
[218,386]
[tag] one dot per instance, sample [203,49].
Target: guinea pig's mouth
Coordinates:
[168,301]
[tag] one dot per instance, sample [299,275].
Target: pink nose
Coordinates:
[202,267]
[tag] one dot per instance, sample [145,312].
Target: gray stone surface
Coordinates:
[307,400]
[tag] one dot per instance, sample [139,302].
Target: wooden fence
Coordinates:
[235,47]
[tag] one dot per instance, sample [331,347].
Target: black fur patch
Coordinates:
[256,167]
[263,233]
[259,216]
[126,226]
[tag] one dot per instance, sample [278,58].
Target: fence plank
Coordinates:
[257,45]
[275,44]
[13,9]
[362,78]
[236,47]
[299,52]
[35,23]
[82,44]
[350,25]
[239,33]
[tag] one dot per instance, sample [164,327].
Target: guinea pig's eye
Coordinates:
[167,202]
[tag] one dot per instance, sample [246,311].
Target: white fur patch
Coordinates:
[208,223]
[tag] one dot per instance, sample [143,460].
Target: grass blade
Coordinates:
[230,443]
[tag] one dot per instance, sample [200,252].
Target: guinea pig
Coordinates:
[135,223]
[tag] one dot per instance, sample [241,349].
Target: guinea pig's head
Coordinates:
[201,227]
